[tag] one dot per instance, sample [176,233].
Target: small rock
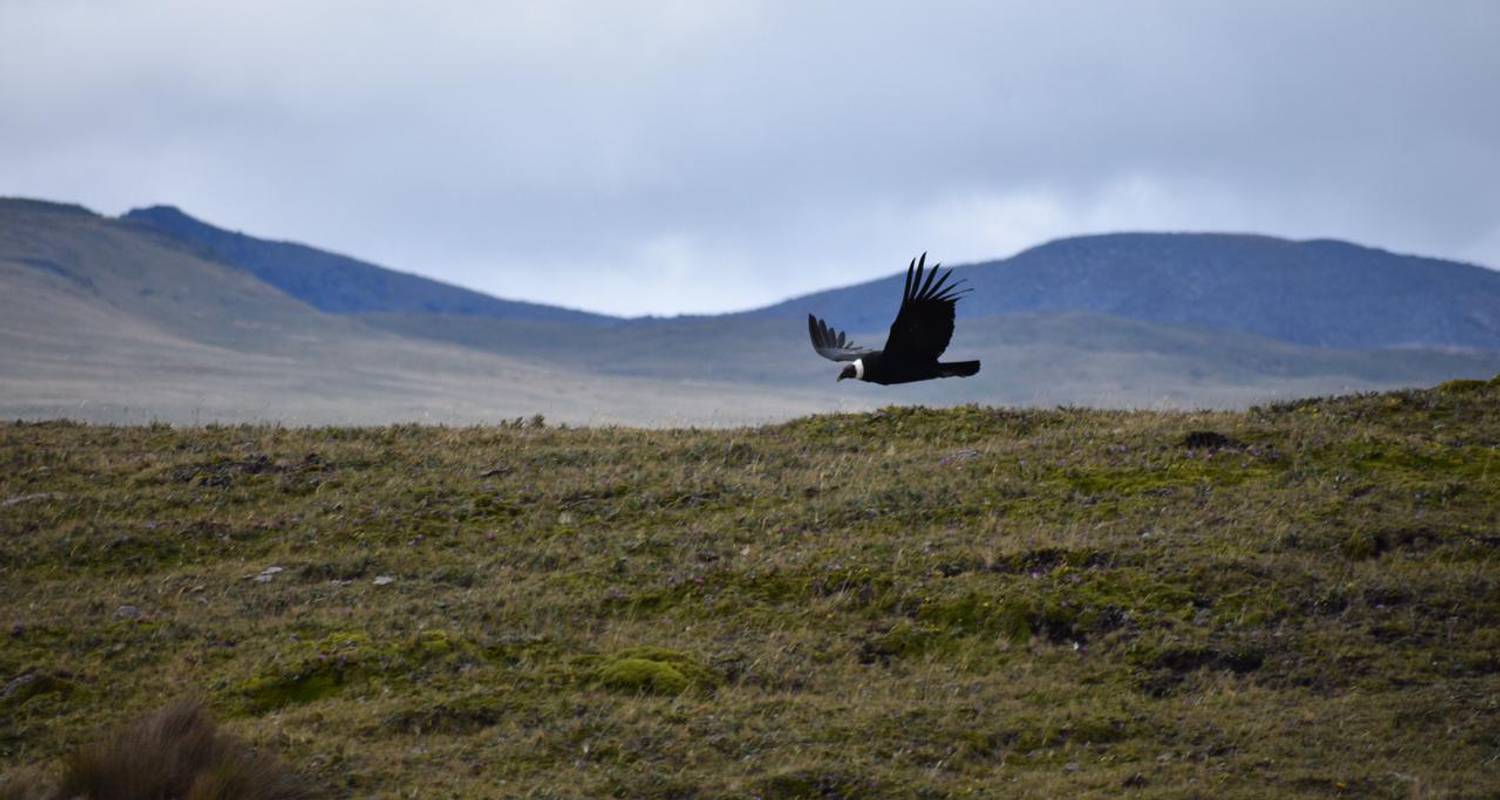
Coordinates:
[268,574]
[958,456]
[383,580]
[17,684]
[27,498]
[1071,766]
[128,612]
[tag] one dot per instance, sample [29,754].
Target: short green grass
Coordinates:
[910,603]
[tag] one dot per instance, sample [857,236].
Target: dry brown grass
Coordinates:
[177,753]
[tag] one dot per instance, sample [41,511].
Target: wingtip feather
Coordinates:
[926,287]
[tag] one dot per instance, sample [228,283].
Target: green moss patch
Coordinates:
[654,670]
[307,672]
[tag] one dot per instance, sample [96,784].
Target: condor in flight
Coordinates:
[919,335]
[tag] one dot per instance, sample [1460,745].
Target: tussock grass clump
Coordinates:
[177,752]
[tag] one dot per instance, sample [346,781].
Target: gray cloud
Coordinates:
[677,157]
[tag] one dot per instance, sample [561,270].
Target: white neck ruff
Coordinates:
[859,369]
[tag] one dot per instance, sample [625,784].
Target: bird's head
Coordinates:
[855,370]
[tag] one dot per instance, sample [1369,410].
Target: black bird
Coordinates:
[920,334]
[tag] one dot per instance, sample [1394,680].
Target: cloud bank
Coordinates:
[692,157]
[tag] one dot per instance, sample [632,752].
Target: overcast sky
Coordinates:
[697,156]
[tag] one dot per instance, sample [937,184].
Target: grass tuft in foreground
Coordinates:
[1302,600]
[176,752]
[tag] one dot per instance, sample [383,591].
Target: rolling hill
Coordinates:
[103,322]
[157,315]
[1319,293]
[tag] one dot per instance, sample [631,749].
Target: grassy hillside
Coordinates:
[100,321]
[58,263]
[1297,601]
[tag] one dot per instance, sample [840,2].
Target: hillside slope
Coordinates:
[137,319]
[67,256]
[1317,293]
[99,322]
[1299,601]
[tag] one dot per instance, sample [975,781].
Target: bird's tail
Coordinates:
[958,369]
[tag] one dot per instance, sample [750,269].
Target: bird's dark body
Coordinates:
[877,371]
[920,334]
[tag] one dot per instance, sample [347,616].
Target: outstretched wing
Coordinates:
[924,326]
[832,344]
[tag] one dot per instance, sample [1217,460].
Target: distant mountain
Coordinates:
[159,316]
[107,321]
[1322,293]
[1319,293]
[335,283]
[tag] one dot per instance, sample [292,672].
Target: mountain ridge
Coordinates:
[334,282]
[1318,292]
[100,313]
